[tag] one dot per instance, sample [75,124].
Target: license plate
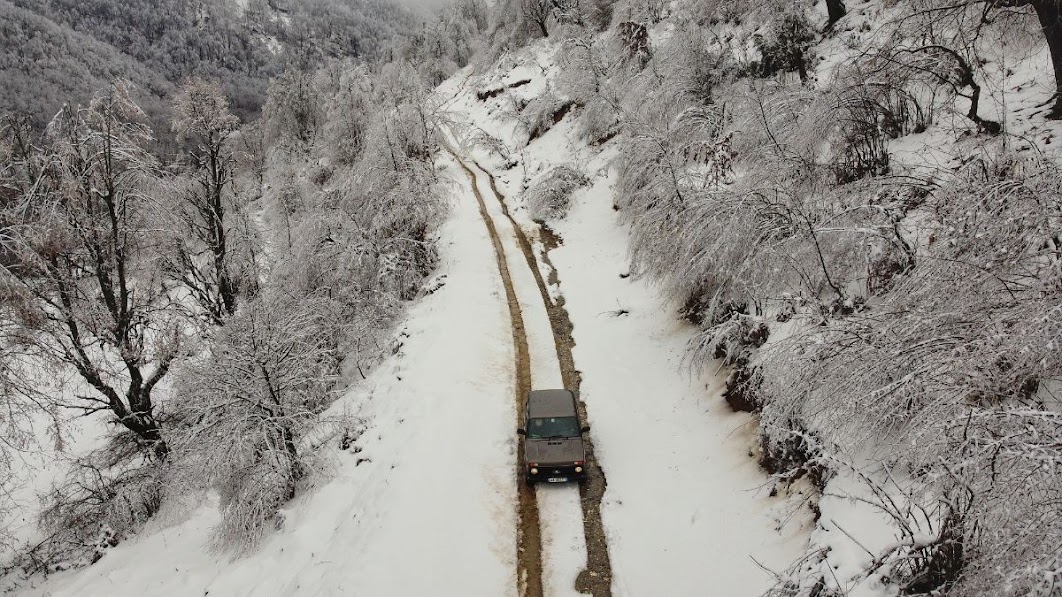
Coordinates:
[557,479]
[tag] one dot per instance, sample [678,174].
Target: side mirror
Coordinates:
[521,431]
[585,429]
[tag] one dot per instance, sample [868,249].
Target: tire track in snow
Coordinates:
[529,534]
[597,578]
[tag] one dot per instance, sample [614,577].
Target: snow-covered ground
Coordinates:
[423,503]
[686,510]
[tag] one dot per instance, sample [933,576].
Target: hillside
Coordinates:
[859,212]
[799,264]
[57,52]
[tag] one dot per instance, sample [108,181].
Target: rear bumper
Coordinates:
[546,472]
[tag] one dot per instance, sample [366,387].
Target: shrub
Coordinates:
[542,113]
[785,47]
[550,197]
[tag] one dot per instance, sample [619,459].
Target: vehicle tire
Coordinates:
[530,482]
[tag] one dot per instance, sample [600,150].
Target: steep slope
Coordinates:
[420,497]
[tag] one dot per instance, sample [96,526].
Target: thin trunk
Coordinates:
[297,471]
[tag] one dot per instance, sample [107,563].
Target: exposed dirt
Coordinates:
[529,534]
[596,579]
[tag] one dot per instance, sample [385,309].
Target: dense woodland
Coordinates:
[58,52]
[212,216]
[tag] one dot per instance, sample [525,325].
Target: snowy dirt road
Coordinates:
[686,510]
[428,499]
[554,521]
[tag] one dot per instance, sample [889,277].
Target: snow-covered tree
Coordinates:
[246,405]
[957,365]
[204,256]
[550,196]
[293,110]
[80,277]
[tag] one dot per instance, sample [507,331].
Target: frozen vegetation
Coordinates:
[249,306]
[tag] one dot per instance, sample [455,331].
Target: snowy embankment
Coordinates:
[687,510]
[421,503]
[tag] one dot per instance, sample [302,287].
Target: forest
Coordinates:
[213,217]
[58,52]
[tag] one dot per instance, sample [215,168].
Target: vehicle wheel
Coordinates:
[530,482]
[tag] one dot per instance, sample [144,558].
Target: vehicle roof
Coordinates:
[550,403]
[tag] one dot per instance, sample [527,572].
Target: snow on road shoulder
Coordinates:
[422,503]
[686,510]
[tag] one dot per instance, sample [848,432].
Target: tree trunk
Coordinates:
[297,471]
[836,10]
[1050,15]
[144,425]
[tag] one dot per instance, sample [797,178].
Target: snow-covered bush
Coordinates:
[543,112]
[550,196]
[245,406]
[106,496]
[585,78]
[784,46]
[955,358]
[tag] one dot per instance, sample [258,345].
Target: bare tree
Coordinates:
[537,13]
[202,255]
[81,284]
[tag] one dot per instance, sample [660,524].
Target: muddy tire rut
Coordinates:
[529,534]
[596,579]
